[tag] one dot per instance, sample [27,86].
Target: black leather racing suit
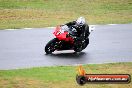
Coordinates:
[82,31]
[82,34]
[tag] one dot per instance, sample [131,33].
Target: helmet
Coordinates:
[80,21]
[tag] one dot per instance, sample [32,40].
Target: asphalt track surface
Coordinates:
[25,48]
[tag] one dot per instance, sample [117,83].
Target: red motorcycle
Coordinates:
[65,40]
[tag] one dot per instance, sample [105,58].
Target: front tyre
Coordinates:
[50,46]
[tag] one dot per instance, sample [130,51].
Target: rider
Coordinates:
[82,30]
[81,27]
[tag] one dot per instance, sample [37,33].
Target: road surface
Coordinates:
[25,48]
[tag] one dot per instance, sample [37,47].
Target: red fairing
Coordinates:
[57,29]
[62,35]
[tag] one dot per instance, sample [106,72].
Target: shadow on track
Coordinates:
[68,55]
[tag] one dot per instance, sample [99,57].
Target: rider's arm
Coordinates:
[84,33]
[71,23]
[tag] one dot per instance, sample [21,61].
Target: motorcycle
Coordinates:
[65,40]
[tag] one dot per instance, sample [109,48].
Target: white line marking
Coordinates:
[27,28]
[10,29]
[50,27]
[111,24]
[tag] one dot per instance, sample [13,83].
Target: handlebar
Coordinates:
[70,35]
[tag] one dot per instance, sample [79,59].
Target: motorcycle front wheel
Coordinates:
[50,46]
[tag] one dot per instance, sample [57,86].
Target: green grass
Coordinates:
[61,76]
[43,13]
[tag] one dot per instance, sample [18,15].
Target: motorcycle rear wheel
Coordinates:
[81,46]
[50,46]
[78,47]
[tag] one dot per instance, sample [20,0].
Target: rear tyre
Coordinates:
[78,47]
[50,46]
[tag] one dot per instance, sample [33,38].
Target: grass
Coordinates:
[61,76]
[44,13]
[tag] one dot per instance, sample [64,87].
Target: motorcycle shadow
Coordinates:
[69,55]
